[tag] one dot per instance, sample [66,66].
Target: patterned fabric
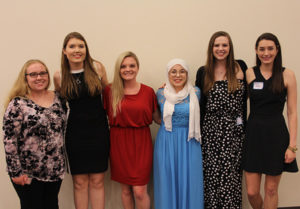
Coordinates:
[222,136]
[33,139]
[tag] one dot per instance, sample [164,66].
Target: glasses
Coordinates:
[35,74]
[179,72]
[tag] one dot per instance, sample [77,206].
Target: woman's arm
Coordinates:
[291,85]
[12,124]
[102,74]
[157,116]
[57,80]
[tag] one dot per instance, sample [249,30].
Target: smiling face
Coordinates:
[75,51]
[177,77]
[37,77]
[129,69]
[266,51]
[221,48]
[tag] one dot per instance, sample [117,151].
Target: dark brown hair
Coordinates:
[211,61]
[277,85]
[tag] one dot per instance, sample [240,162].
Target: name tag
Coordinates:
[258,85]
[239,121]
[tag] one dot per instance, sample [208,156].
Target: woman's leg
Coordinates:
[96,190]
[81,190]
[253,189]
[50,196]
[141,196]
[271,191]
[127,197]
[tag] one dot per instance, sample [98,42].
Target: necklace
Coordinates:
[76,74]
[78,81]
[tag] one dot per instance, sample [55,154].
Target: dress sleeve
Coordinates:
[160,96]
[197,92]
[12,128]
[203,100]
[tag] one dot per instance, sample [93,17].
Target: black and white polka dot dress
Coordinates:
[222,138]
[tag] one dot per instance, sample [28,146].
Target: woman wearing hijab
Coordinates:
[178,178]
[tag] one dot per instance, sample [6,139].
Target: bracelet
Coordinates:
[293,149]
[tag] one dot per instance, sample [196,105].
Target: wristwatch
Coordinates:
[293,149]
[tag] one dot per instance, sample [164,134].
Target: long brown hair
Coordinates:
[211,61]
[20,87]
[277,85]
[117,87]
[68,84]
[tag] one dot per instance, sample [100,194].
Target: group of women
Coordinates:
[200,150]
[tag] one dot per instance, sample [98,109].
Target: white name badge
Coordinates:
[258,85]
[239,121]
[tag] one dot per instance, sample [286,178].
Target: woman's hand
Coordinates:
[289,156]
[21,180]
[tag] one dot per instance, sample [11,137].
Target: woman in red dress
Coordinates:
[130,107]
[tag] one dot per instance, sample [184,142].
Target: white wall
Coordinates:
[156,31]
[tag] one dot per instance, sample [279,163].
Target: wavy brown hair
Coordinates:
[277,85]
[68,84]
[231,65]
[117,87]
[20,87]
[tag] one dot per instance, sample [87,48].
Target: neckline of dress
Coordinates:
[134,94]
[43,107]
[77,71]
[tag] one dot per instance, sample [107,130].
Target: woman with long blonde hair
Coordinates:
[33,125]
[223,116]
[80,82]
[130,107]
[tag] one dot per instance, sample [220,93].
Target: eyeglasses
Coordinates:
[35,74]
[179,72]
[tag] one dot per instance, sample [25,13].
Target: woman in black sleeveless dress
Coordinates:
[87,135]
[270,148]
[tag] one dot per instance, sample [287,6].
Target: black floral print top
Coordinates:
[33,139]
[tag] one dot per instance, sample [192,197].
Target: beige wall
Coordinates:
[156,31]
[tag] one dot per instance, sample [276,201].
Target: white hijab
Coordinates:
[173,98]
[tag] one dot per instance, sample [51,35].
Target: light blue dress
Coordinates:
[178,177]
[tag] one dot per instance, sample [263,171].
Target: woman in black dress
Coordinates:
[87,137]
[223,113]
[270,148]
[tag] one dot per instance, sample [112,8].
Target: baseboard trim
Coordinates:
[295,207]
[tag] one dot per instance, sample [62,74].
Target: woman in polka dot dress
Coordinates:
[223,113]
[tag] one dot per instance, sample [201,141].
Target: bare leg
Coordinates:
[127,197]
[81,195]
[96,190]
[142,198]
[253,189]
[271,191]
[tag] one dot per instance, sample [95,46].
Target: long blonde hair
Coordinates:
[117,87]
[20,87]
[230,65]
[68,84]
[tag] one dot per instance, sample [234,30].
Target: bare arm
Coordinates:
[250,76]
[157,116]
[102,74]
[57,80]
[291,85]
